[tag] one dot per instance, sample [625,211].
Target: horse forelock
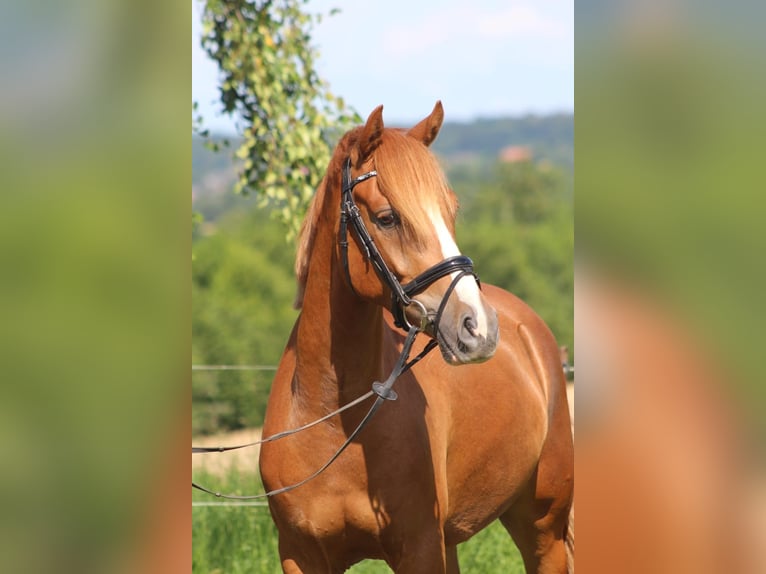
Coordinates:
[306,241]
[413,182]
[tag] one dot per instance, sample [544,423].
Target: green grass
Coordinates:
[243,540]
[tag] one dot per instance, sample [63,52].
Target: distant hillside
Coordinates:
[206,161]
[548,137]
[481,141]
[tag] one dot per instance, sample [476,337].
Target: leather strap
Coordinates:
[433,274]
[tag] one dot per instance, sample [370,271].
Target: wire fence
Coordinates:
[218,503]
[201,503]
[234,367]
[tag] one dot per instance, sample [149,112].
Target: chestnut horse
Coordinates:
[479,433]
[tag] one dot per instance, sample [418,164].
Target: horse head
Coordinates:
[407,210]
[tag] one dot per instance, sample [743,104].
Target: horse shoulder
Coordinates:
[273,455]
[279,397]
[555,467]
[522,328]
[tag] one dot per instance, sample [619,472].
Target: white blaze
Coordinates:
[466,289]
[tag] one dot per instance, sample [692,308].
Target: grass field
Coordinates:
[243,540]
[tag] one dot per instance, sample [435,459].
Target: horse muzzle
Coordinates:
[470,336]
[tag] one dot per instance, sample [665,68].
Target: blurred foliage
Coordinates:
[515,222]
[268,80]
[548,136]
[242,293]
[94,298]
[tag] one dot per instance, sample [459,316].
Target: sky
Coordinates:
[481,58]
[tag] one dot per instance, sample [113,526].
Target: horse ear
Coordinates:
[369,139]
[427,130]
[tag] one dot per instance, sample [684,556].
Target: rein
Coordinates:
[402,296]
[384,391]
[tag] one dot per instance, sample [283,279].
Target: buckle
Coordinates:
[423,316]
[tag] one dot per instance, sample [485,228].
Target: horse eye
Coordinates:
[387,219]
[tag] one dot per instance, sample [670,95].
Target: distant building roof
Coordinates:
[515,154]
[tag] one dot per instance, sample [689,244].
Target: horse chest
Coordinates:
[345,520]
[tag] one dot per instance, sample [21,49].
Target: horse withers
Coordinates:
[480,433]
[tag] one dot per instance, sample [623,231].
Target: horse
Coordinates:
[479,433]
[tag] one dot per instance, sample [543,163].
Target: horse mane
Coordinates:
[408,175]
[311,220]
[305,241]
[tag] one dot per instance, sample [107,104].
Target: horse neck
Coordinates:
[339,336]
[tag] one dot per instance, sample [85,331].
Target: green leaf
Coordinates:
[269,82]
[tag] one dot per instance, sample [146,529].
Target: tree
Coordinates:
[269,82]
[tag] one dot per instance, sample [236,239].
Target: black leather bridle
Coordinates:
[401,295]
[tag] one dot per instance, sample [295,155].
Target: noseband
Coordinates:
[401,295]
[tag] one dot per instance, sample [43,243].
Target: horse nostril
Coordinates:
[470,325]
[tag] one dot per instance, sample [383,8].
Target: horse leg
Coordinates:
[540,520]
[290,566]
[541,547]
[292,563]
[424,554]
[304,556]
[453,567]
[295,565]
[539,526]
